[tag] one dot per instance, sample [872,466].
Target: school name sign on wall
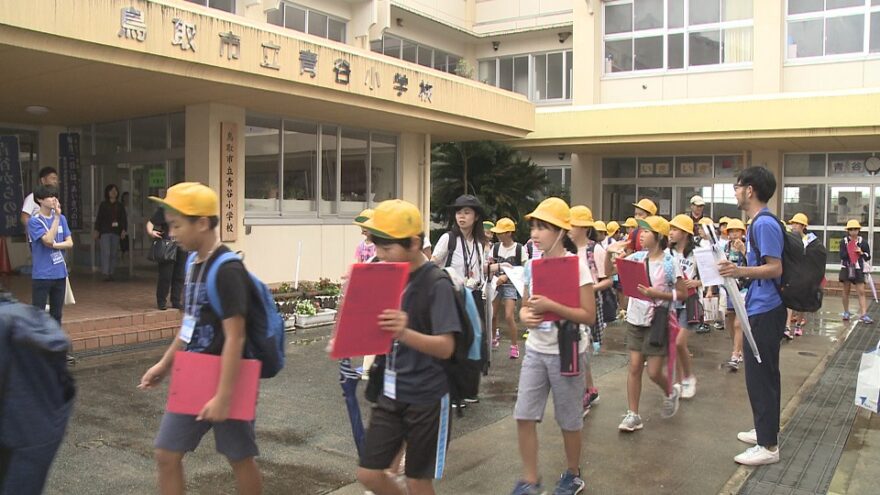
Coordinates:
[228,181]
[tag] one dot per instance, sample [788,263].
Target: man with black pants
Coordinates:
[753,189]
[171,273]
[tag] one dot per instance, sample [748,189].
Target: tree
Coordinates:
[507,184]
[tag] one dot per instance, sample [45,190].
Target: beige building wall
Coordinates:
[506,15]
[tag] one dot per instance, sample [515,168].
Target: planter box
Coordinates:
[324,317]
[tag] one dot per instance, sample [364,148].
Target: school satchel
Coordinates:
[162,251]
[803,269]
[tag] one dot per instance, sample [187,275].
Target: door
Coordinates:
[845,203]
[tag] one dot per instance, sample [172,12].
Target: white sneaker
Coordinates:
[670,403]
[688,387]
[757,456]
[750,436]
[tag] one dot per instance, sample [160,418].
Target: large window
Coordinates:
[416,53]
[287,163]
[559,182]
[308,21]
[832,28]
[540,76]
[660,35]
[227,5]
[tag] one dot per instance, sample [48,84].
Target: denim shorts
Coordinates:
[507,291]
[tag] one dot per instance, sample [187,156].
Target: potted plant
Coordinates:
[309,314]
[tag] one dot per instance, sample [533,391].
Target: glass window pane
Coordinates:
[354,170]
[724,202]
[111,137]
[874,38]
[376,46]
[539,75]
[737,45]
[661,196]
[275,16]
[675,14]
[178,129]
[317,24]
[554,75]
[569,69]
[261,164]
[425,56]
[693,166]
[617,168]
[618,56]
[655,166]
[649,53]
[383,168]
[409,51]
[704,48]
[804,165]
[329,168]
[391,47]
[728,165]
[703,12]
[876,216]
[844,34]
[227,5]
[675,58]
[736,10]
[453,62]
[842,4]
[300,166]
[648,14]
[555,182]
[295,18]
[805,38]
[806,199]
[835,237]
[505,73]
[847,164]
[848,203]
[149,133]
[618,18]
[488,72]
[683,197]
[521,75]
[617,202]
[336,30]
[440,60]
[802,6]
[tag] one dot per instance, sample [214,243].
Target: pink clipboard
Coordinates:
[557,279]
[851,247]
[632,274]
[194,381]
[372,288]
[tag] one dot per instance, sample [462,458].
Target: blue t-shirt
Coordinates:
[763,294]
[48,263]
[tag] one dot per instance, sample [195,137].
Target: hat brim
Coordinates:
[700,203]
[649,212]
[360,220]
[165,204]
[582,223]
[797,222]
[496,230]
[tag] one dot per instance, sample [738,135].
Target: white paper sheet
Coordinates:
[707,267]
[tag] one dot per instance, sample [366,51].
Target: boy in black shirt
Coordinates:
[192,213]
[414,405]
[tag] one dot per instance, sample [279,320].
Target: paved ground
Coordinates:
[305,439]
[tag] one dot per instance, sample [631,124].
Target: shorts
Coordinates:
[425,429]
[538,377]
[234,439]
[844,276]
[637,341]
[507,291]
[683,320]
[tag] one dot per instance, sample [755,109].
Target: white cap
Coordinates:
[698,200]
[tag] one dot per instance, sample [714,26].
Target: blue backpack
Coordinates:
[264,342]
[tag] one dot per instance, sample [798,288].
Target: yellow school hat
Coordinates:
[581,216]
[191,199]
[683,222]
[395,219]
[612,227]
[705,221]
[656,224]
[800,218]
[736,223]
[630,223]
[724,220]
[853,224]
[363,216]
[647,205]
[504,225]
[599,226]
[553,211]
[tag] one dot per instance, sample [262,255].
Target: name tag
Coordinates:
[390,385]
[114,224]
[545,326]
[186,329]
[57,257]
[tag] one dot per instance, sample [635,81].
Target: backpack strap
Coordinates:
[211,281]
[518,254]
[753,245]
[453,240]
[530,249]
[495,250]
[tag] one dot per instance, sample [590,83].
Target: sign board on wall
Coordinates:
[68,171]
[229,181]
[11,197]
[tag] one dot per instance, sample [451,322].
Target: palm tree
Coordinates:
[507,184]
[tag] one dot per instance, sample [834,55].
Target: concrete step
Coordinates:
[114,331]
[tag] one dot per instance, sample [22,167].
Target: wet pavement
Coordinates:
[306,444]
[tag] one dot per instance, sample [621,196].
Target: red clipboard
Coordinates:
[632,274]
[194,381]
[851,247]
[557,279]
[372,288]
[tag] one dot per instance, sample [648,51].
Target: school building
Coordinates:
[303,112]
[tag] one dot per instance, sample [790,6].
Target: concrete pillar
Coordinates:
[772,159]
[48,146]
[587,37]
[414,165]
[585,183]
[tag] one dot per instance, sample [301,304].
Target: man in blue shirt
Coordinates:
[50,236]
[754,188]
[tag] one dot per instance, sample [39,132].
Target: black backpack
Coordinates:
[517,262]
[803,269]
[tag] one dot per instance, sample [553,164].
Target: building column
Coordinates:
[585,182]
[771,159]
[414,163]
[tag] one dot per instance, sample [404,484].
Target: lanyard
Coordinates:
[392,357]
[468,257]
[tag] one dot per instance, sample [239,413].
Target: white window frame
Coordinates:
[207,3]
[865,10]
[282,6]
[567,89]
[419,48]
[665,32]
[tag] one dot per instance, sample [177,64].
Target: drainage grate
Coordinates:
[813,439]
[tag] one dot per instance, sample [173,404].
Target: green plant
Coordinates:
[305,307]
[285,288]
[328,287]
